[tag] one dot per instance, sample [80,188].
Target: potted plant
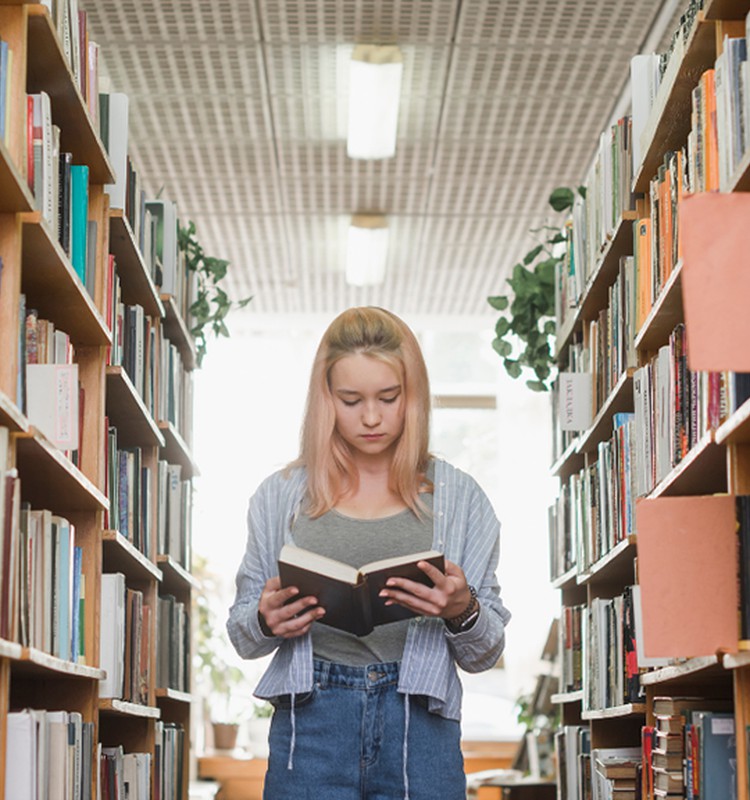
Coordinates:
[525,331]
[211,304]
[222,685]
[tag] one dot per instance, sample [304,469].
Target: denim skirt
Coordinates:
[354,737]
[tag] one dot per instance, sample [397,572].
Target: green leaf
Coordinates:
[536,386]
[502,326]
[550,327]
[498,302]
[558,238]
[513,368]
[532,254]
[502,347]
[561,198]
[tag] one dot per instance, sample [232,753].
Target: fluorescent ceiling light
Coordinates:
[367,250]
[374,92]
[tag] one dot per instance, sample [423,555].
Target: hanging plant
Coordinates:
[212,304]
[525,330]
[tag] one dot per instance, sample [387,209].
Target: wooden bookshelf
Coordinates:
[716,464]
[38,273]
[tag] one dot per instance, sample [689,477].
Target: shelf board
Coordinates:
[122,708]
[135,281]
[703,668]
[174,696]
[178,333]
[10,415]
[594,295]
[702,471]
[176,451]
[58,484]
[669,122]
[15,194]
[616,564]
[737,660]
[570,461]
[10,649]
[561,698]
[53,288]
[616,712]
[174,573]
[726,9]
[620,399]
[120,555]
[664,316]
[736,428]
[50,72]
[566,579]
[128,413]
[36,661]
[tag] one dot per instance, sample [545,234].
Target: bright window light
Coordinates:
[374,92]
[367,250]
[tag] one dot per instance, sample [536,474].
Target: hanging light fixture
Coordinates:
[367,250]
[374,93]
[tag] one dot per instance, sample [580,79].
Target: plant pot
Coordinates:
[225,735]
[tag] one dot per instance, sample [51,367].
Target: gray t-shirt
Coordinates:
[357,542]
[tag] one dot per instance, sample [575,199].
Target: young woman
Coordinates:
[373,717]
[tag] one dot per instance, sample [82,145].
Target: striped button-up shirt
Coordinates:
[466,530]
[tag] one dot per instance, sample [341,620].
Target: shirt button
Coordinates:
[440,513]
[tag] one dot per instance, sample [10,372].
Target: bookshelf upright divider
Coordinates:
[79,512]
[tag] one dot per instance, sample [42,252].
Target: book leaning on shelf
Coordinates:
[350,596]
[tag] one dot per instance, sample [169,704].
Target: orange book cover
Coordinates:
[716,280]
[687,568]
[711,156]
[643,275]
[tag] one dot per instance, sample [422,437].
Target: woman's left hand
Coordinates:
[448,598]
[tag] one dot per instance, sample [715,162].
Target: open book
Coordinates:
[350,595]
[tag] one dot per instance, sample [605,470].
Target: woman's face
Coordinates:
[369,401]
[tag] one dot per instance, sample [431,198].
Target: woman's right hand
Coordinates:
[280,616]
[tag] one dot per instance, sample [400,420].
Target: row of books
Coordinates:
[595,217]
[172,644]
[43,587]
[125,641]
[60,188]
[610,657]
[689,751]
[133,497]
[595,508]
[56,749]
[571,648]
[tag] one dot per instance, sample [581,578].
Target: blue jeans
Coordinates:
[348,742]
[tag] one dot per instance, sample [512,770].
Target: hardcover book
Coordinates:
[350,596]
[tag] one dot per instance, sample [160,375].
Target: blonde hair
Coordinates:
[331,471]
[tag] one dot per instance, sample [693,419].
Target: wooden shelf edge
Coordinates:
[184,340]
[125,708]
[681,670]
[673,284]
[736,428]
[608,559]
[119,373]
[169,565]
[10,649]
[116,539]
[566,578]
[11,416]
[54,664]
[562,698]
[616,712]
[174,695]
[592,436]
[37,439]
[700,447]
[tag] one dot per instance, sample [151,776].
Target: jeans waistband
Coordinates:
[372,676]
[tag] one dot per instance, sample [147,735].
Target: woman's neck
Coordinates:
[373,496]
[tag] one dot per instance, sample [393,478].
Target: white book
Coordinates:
[112,634]
[644,84]
[20,757]
[52,402]
[57,726]
[118,148]
[174,511]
